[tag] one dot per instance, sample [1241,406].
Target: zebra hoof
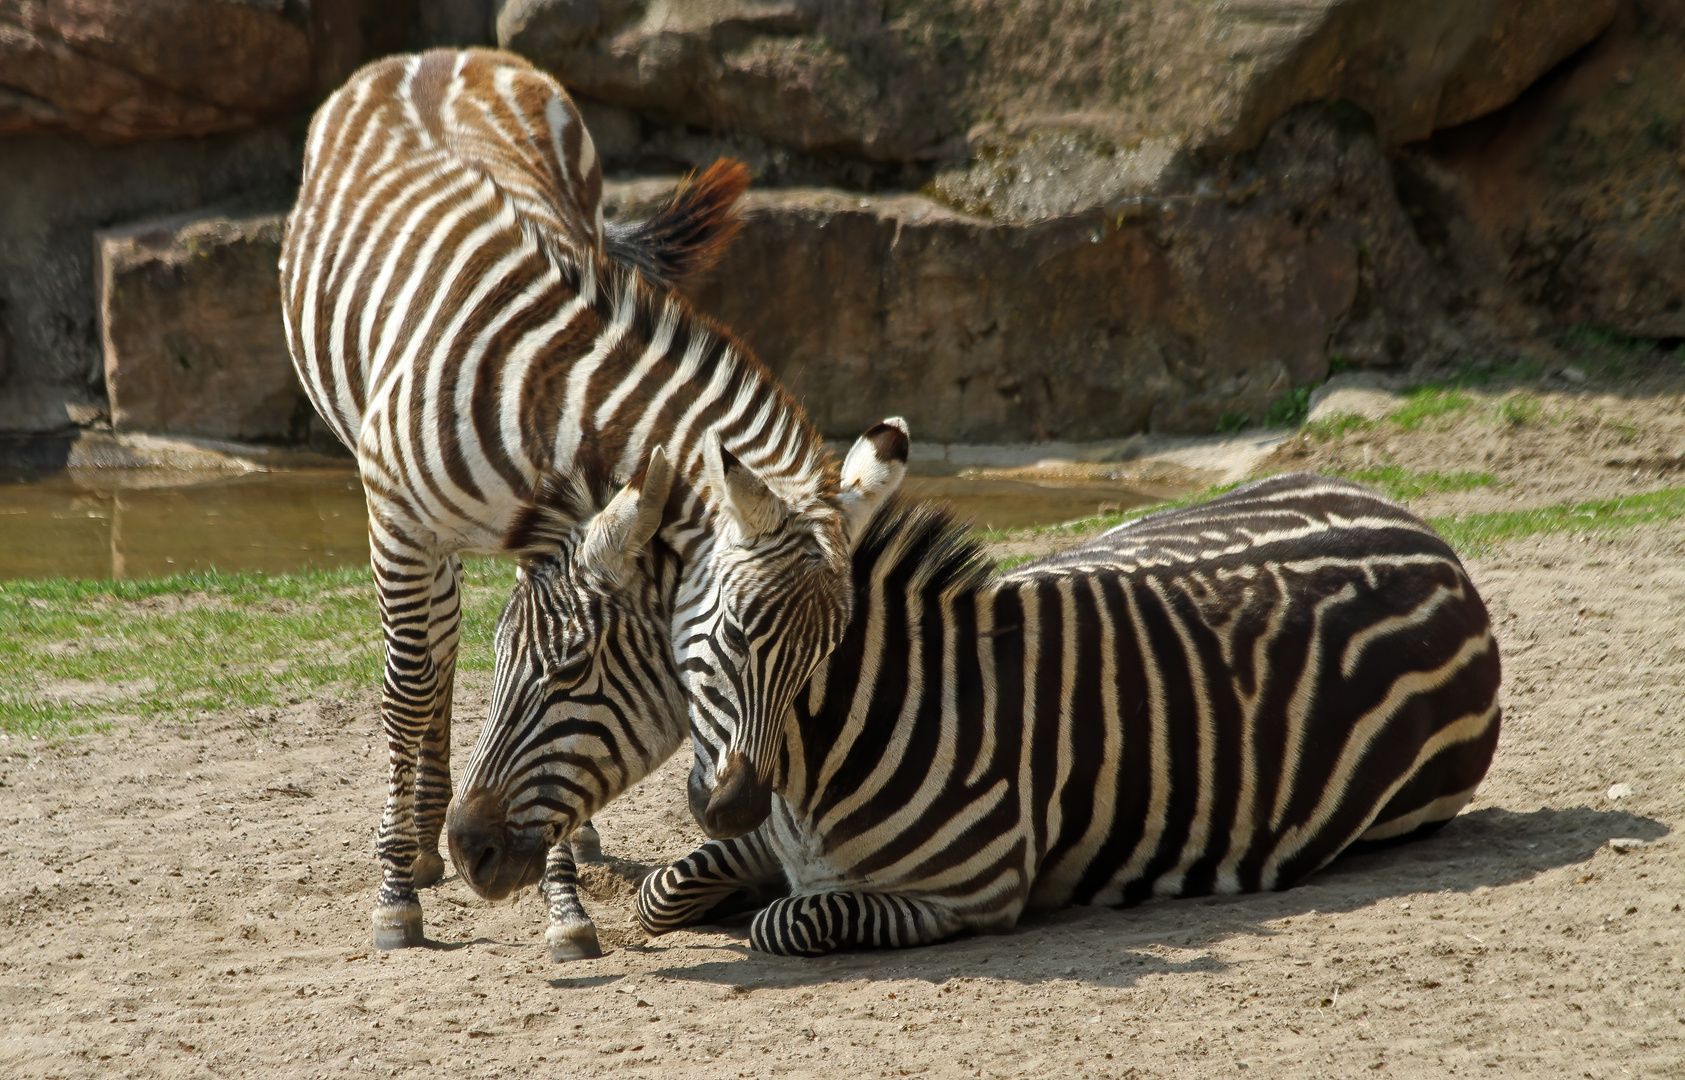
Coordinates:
[573,941]
[429,869]
[398,926]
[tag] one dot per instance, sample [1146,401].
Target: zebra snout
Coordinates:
[740,801]
[493,858]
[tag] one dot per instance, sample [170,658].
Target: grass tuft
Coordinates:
[1290,409]
[1402,483]
[1429,402]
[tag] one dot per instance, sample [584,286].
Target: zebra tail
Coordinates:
[689,234]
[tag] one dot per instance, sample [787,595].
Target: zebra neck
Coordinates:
[932,677]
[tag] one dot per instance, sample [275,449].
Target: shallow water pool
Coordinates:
[133,523]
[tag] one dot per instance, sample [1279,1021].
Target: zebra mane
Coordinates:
[691,230]
[919,542]
[560,503]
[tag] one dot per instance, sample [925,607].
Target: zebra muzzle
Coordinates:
[492,858]
[740,801]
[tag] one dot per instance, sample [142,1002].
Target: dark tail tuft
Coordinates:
[690,233]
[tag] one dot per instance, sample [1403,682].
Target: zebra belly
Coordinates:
[1260,731]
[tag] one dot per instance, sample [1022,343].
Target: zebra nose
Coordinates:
[479,843]
[740,803]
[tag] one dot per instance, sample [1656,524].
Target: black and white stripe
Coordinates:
[464,320]
[1218,699]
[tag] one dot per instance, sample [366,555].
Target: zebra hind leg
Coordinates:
[820,923]
[433,772]
[721,878]
[587,845]
[572,935]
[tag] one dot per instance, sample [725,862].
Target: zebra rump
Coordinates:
[1217,699]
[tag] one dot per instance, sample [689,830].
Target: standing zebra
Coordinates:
[461,317]
[1219,699]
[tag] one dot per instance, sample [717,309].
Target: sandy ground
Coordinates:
[193,900]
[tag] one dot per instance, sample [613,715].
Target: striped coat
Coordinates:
[464,320]
[1219,699]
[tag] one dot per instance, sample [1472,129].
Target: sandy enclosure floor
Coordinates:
[193,901]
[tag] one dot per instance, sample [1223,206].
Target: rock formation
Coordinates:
[1008,220]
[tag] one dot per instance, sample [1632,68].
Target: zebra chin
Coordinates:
[494,858]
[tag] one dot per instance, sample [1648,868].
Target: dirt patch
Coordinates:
[192,900]
[1540,444]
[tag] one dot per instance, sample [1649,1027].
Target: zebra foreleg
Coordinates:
[722,877]
[572,935]
[433,773]
[820,923]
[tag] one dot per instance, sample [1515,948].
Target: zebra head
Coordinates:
[586,699]
[779,596]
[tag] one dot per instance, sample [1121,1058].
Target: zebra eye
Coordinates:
[734,637]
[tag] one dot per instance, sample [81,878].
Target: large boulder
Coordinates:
[56,191]
[121,70]
[1572,203]
[1164,317]
[1030,110]
[190,314]
[128,70]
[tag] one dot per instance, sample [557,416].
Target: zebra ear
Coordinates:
[873,470]
[624,528]
[743,495]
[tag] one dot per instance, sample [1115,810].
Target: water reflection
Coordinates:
[109,524]
[132,523]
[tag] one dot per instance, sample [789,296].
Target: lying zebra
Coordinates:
[1216,699]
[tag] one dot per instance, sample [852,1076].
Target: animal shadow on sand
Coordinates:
[1111,946]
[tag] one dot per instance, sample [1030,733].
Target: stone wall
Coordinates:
[1090,325]
[56,191]
[1007,220]
[193,342]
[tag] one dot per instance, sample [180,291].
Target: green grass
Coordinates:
[1337,426]
[215,642]
[1429,402]
[1402,483]
[1517,410]
[1477,533]
[1232,423]
[1470,534]
[202,643]
[1289,410]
